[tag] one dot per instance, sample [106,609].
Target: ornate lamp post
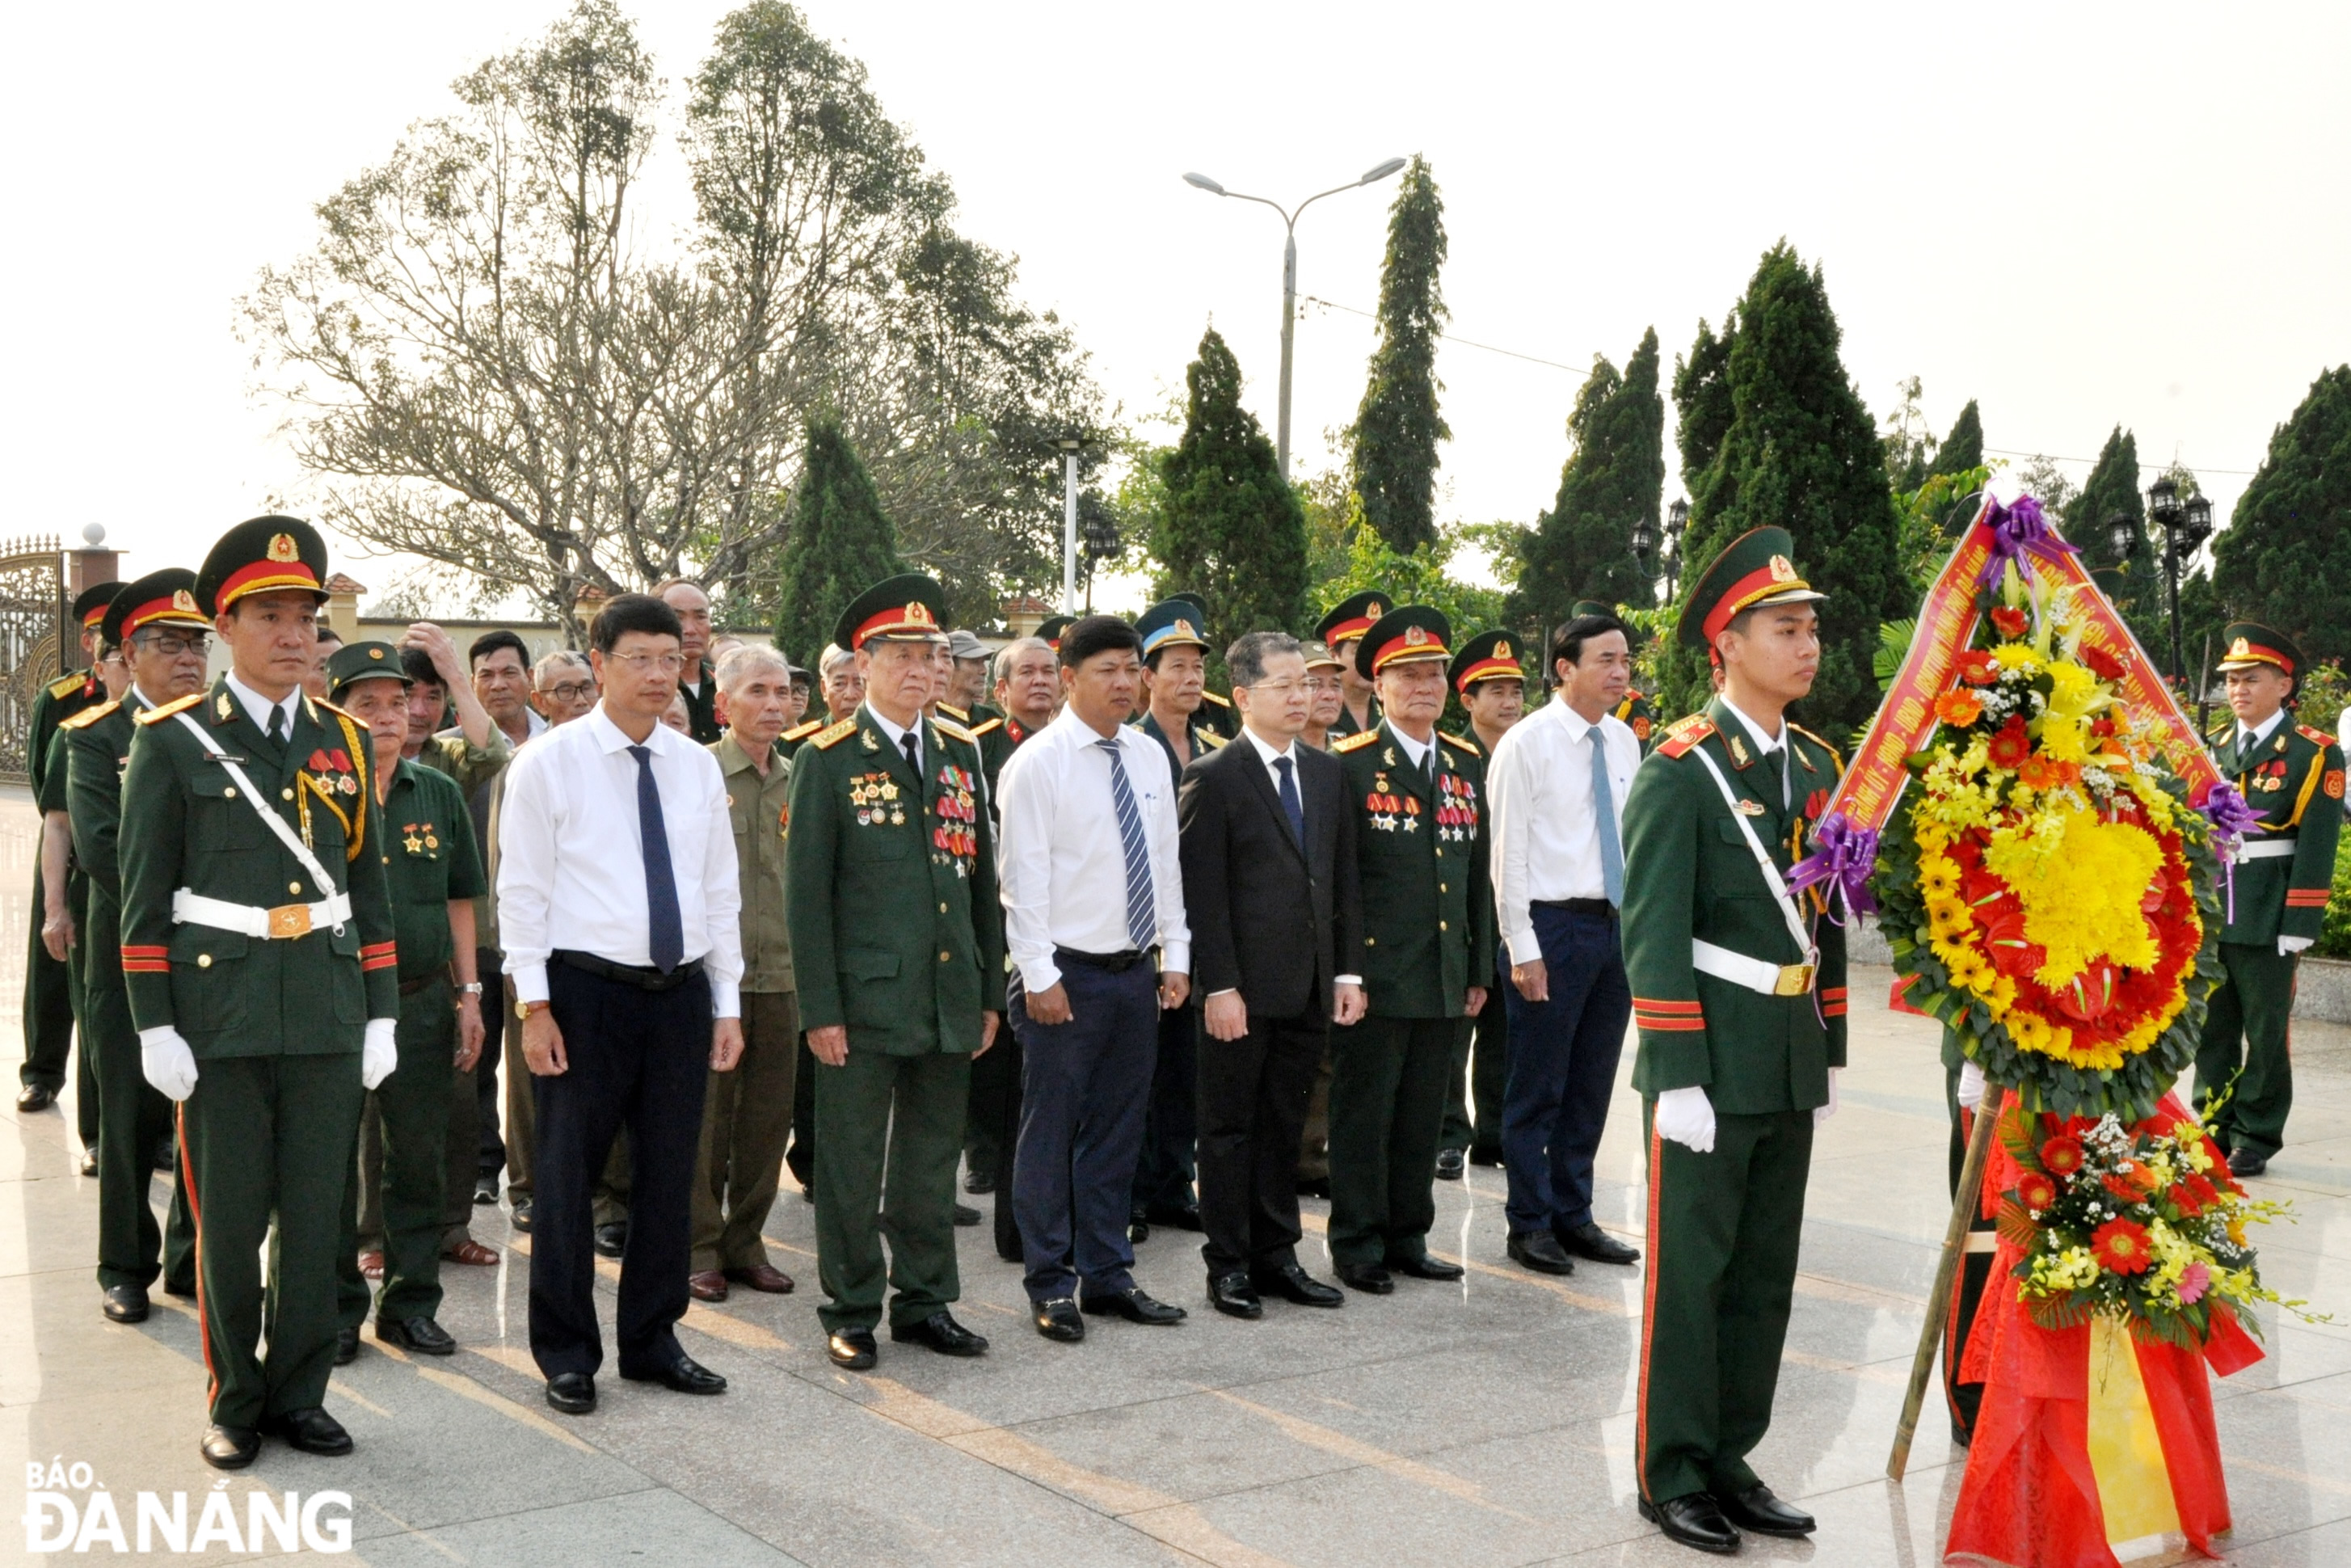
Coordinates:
[1669,560]
[2186,526]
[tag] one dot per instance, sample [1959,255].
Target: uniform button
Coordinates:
[288,794]
[1440,926]
[204,960]
[293,887]
[1440,887]
[943,909]
[1440,854]
[229,793]
[944,956]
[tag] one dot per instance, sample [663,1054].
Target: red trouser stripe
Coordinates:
[1648,1317]
[197,1219]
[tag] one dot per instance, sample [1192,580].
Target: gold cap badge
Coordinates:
[182,600]
[919,612]
[282,547]
[1414,636]
[1501,648]
[2240,649]
[1782,569]
[1184,628]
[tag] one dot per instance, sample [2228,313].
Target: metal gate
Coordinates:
[32,621]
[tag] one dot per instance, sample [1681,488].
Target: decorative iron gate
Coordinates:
[32,618]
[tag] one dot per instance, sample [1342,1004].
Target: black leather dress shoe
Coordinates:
[979,1184]
[486,1187]
[1058,1319]
[1539,1250]
[1138,1226]
[573,1393]
[1175,1216]
[90,1161]
[126,1304]
[346,1346]
[684,1376]
[1233,1295]
[965,1215]
[1450,1163]
[229,1447]
[1588,1241]
[1485,1153]
[312,1430]
[613,1240]
[39,1097]
[522,1215]
[1136,1306]
[419,1333]
[852,1348]
[1757,1510]
[2247,1163]
[1421,1266]
[1369,1278]
[1292,1283]
[1693,1521]
[942,1334]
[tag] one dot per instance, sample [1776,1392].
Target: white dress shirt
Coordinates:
[896,735]
[1061,864]
[2249,738]
[571,869]
[257,707]
[1546,825]
[1765,744]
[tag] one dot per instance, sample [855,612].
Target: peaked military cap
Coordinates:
[1404,635]
[1196,601]
[373,659]
[1051,628]
[1173,624]
[964,644]
[165,598]
[262,555]
[89,606]
[1488,656]
[1353,616]
[1756,568]
[2250,644]
[903,609]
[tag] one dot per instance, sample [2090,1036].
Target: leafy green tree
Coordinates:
[2286,557]
[841,542]
[1392,446]
[1228,527]
[1614,479]
[1962,449]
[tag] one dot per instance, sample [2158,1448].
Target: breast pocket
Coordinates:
[219,813]
[1731,872]
[877,840]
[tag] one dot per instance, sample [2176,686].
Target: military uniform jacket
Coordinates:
[757,809]
[425,837]
[59,701]
[1204,739]
[186,823]
[96,749]
[2294,780]
[890,889]
[1690,875]
[1344,725]
[702,707]
[1000,735]
[1640,715]
[1421,854]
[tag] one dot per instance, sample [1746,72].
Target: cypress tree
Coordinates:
[1963,448]
[1702,397]
[1392,447]
[841,542]
[2286,557]
[1229,527]
[1583,547]
[2113,487]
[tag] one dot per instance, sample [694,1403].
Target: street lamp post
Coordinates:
[1290,279]
[1669,558]
[1070,445]
[2186,526]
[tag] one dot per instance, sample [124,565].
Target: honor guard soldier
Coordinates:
[1635,708]
[2291,776]
[1492,687]
[1340,630]
[1739,995]
[433,873]
[898,950]
[257,942]
[154,622]
[49,998]
[1428,957]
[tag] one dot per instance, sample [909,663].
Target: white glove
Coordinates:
[1823,1112]
[379,1055]
[1687,1116]
[2289,946]
[167,1062]
[1972,1085]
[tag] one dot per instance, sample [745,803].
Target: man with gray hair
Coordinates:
[562,686]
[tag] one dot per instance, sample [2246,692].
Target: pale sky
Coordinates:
[2080,214]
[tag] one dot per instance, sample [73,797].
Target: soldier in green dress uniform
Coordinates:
[1637,712]
[2291,776]
[1491,685]
[1339,629]
[257,942]
[154,621]
[1739,994]
[888,826]
[433,873]
[1427,959]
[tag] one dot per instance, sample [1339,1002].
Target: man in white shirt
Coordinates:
[1556,785]
[618,901]
[1091,885]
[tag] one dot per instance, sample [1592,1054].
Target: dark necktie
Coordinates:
[277,725]
[1142,904]
[914,755]
[1289,801]
[666,929]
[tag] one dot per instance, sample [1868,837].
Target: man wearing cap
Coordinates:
[2291,776]
[1427,958]
[1485,674]
[1215,713]
[1340,629]
[898,949]
[154,621]
[433,874]
[258,944]
[1739,992]
[965,697]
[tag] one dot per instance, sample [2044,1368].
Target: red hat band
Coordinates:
[1778,577]
[1490,669]
[914,616]
[1413,642]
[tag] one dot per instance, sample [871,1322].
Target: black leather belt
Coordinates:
[1116,963]
[644,977]
[1595,908]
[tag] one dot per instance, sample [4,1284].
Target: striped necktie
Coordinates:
[1141,908]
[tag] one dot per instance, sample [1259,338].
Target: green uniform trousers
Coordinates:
[48,1004]
[88,1121]
[132,1119]
[267,1138]
[1314,1136]
[1473,1084]
[746,1120]
[413,1106]
[1387,1112]
[2246,1044]
[458,1161]
[1723,1233]
[889,1130]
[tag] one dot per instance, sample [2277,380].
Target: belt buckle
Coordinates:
[1795,980]
[289,920]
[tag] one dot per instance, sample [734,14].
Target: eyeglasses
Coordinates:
[570,691]
[171,647]
[646,664]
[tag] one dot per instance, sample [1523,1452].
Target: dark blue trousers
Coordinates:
[1083,1088]
[1562,1069]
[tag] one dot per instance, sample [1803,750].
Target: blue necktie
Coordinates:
[666,928]
[1142,909]
[1289,802]
[1603,807]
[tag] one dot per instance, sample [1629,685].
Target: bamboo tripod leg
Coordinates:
[1939,1300]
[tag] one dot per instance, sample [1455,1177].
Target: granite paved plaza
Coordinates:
[1485,1422]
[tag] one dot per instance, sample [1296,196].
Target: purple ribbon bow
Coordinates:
[2017,532]
[2233,817]
[1844,855]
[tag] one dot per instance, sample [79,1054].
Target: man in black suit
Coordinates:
[1270,869]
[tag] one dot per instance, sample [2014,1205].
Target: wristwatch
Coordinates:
[524,1009]
[470,989]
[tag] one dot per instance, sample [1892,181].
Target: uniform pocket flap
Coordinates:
[1729,830]
[868,963]
[204,946]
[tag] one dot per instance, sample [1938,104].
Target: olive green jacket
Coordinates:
[1422,856]
[757,809]
[2294,780]
[429,858]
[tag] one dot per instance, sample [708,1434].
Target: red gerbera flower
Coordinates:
[2102,664]
[2121,1247]
[2010,745]
[1978,668]
[2035,1191]
[2062,1155]
[2008,622]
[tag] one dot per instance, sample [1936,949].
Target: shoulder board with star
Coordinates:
[339,713]
[1685,733]
[89,716]
[802,731]
[1356,741]
[66,686]
[2317,737]
[1210,738]
[1458,744]
[1208,696]
[834,735]
[979,729]
[961,716]
[177,704]
[1835,759]
[951,729]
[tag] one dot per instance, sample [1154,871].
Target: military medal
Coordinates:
[1748,808]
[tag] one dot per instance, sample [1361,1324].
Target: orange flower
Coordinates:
[1959,708]
[2063,1154]
[1979,668]
[2041,773]
[2121,1247]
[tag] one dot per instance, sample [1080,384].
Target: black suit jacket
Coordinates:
[1267,917]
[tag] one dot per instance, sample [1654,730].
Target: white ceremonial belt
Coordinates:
[287,920]
[1764,979]
[2265,848]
